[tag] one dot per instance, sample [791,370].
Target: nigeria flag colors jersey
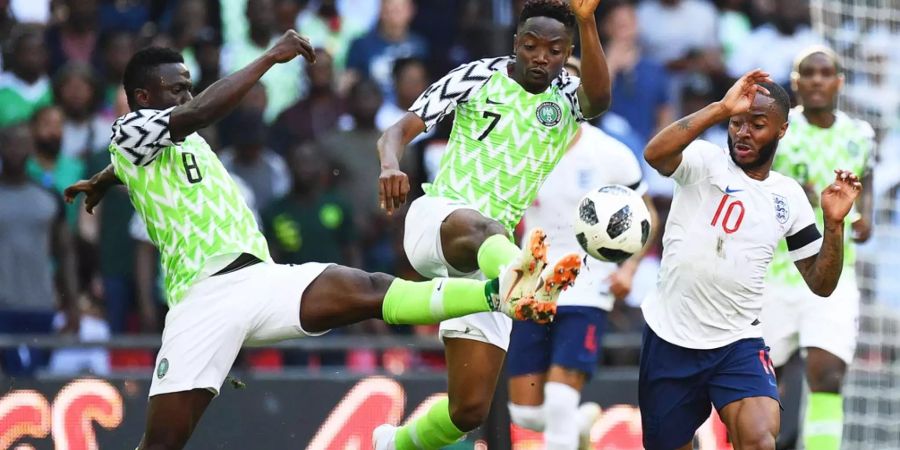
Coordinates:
[505,141]
[810,154]
[193,209]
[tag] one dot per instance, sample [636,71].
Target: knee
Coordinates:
[762,440]
[826,380]
[466,233]
[469,414]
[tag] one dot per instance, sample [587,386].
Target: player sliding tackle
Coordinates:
[515,117]
[222,287]
[703,343]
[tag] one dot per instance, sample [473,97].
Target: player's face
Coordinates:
[542,46]
[753,136]
[818,82]
[170,87]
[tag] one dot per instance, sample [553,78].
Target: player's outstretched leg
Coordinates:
[824,422]
[171,418]
[752,422]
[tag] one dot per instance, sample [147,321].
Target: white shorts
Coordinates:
[203,334]
[794,318]
[422,244]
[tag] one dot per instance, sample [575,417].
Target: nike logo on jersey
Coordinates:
[729,190]
[491,102]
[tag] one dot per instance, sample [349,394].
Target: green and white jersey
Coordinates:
[505,140]
[194,212]
[810,154]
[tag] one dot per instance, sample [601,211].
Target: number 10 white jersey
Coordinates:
[719,239]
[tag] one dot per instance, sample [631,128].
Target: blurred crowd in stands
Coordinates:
[303,142]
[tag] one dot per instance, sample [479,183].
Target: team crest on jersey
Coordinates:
[548,114]
[162,368]
[782,213]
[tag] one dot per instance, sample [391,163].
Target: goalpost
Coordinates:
[866,35]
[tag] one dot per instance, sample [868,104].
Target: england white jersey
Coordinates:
[593,159]
[722,231]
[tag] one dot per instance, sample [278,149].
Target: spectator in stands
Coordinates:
[373,55]
[286,13]
[640,84]
[259,166]
[314,115]
[327,28]
[35,248]
[410,79]
[774,45]
[356,168]
[284,82]
[117,48]
[76,37]
[311,223]
[698,91]
[48,166]
[734,24]
[680,34]
[76,90]
[24,86]
[207,50]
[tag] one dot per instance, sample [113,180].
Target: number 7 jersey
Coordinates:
[194,212]
[722,231]
[505,140]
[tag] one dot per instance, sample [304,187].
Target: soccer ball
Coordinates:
[612,223]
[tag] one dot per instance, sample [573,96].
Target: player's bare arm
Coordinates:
[595,92]
[393,184]
[862,227]
[224,95]
[822,271]
[94,188]
[663,152]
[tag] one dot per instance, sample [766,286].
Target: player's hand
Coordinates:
[393,186]
[92,189]
[620,283]
[862,230]
[584,9]
[838,197]
[740,96]
[289,46]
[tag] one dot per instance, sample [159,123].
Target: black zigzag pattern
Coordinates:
[441,97]
[142,134]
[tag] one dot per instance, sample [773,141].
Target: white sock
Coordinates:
[528,417]
[561,415]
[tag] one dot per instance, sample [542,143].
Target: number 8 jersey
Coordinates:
[505,140]
[722,231]
[194,212]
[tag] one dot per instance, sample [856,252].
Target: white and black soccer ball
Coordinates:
[612,223]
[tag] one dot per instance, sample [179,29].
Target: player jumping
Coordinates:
[703,343]
[549,364]
[222,287]
[515,116]
[821,137]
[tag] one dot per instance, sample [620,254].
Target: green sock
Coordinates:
[824,421]
[432,431]
[494,253]
[427,302]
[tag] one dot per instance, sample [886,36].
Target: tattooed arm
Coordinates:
[663,152]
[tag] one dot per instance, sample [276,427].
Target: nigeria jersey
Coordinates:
[505,140]
[194,212]
[810,154]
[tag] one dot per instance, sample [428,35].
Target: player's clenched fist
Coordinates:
[838,198]
[289,46]
[393,185]
[584,9]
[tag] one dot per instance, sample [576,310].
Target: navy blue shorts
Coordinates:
[677,385]
[572,341]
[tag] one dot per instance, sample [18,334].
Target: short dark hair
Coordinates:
[554,9]
[400,64]
[781,97]
[141,66]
